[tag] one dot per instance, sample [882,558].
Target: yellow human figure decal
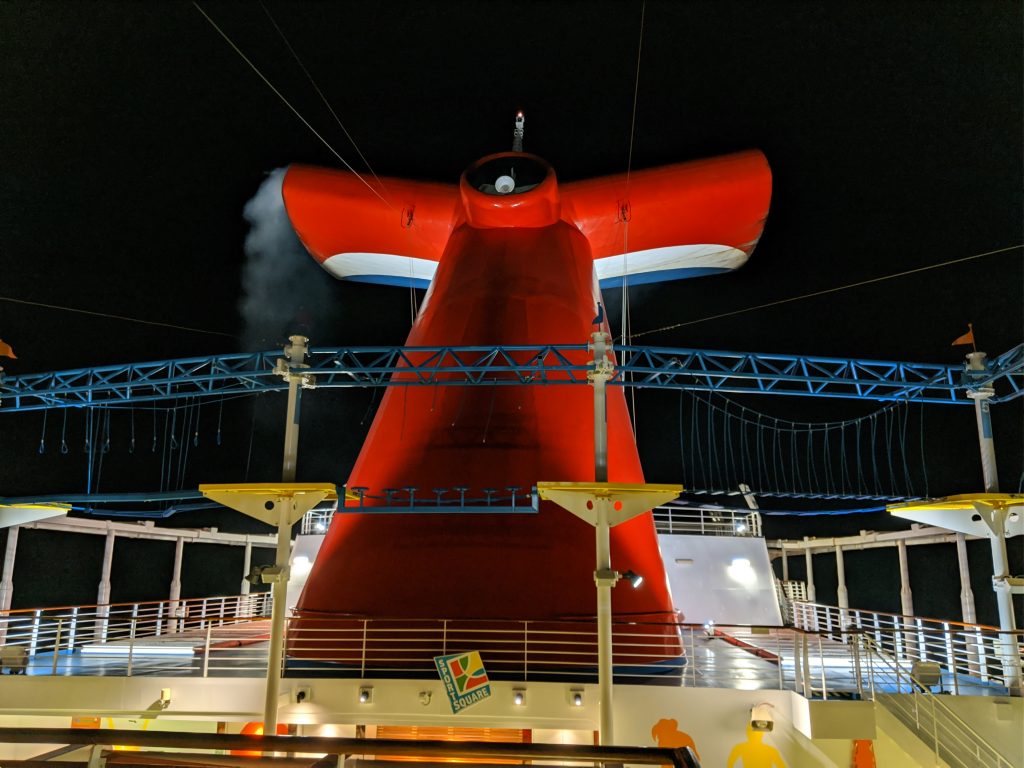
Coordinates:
[754,754]
[668,736]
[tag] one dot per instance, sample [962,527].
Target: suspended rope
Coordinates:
[42,436]
[730,444]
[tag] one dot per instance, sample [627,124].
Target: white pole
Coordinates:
[175,592]
[7,578]
[280,589]
[809,561]
[970,613]
[599,376]
[296,353]
[785,565]
[996,524]
[976,367]
[246,567]
[604,576]
[906,596]
[842,596]
[605,579]
[103,591]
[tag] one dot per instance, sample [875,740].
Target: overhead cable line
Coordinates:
[323,98]
[627,319]
[826,291]
[114,317]
[629,167]
[288,104]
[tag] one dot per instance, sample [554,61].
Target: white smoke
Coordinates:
[284,290]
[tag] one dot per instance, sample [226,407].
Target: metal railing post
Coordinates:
[778,655]
[807,667]
[362,657]
[871,667]
[73,629]
[858,677]
[159,617]
[56,646]
[33,641]
[131,639]
[821,658]
[206,652]
[797,664]
[526,650]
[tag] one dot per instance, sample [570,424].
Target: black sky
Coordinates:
[132,136]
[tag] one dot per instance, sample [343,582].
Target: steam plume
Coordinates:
[284,290]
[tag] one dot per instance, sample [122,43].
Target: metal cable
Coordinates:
[288,104]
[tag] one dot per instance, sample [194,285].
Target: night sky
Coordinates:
[133,136]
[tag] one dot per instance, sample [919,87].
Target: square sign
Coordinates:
[464,677]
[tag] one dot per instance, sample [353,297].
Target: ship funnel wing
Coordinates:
[673,222]
[355,236]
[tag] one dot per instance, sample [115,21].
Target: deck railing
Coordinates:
[948,735]
[66,629]
[968,655]
[227,636]
[697,521]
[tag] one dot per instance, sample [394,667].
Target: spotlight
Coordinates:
[365,694]
[761,718]
[519,696]
[741,527]
[709,628]
[576,696]
[634,579]
[320,527]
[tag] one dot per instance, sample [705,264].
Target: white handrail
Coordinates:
[971,654]
[948,735]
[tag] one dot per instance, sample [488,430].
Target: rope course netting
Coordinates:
[150,434]
[876,457]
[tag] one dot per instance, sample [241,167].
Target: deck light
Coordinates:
[634,579]
[741,527]
[519,696]
[365,694]
[576,696]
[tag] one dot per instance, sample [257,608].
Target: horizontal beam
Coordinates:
[868,540]
[149,531]
[644,367]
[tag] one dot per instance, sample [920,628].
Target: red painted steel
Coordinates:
[513,269]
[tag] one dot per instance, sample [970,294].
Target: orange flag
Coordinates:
[967,338]
[6,351]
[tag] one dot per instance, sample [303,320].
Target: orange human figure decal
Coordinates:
[668,736]
[753,754]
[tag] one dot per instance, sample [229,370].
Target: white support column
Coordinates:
[246,567]
[842,596]
[906,596]
[996,521]
[809,560]
[103,591]
[970,613]
[175,621]
[7,578]
[785,565]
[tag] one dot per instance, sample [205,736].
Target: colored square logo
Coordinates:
[464,677]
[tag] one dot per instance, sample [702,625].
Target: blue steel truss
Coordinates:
[646,367]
